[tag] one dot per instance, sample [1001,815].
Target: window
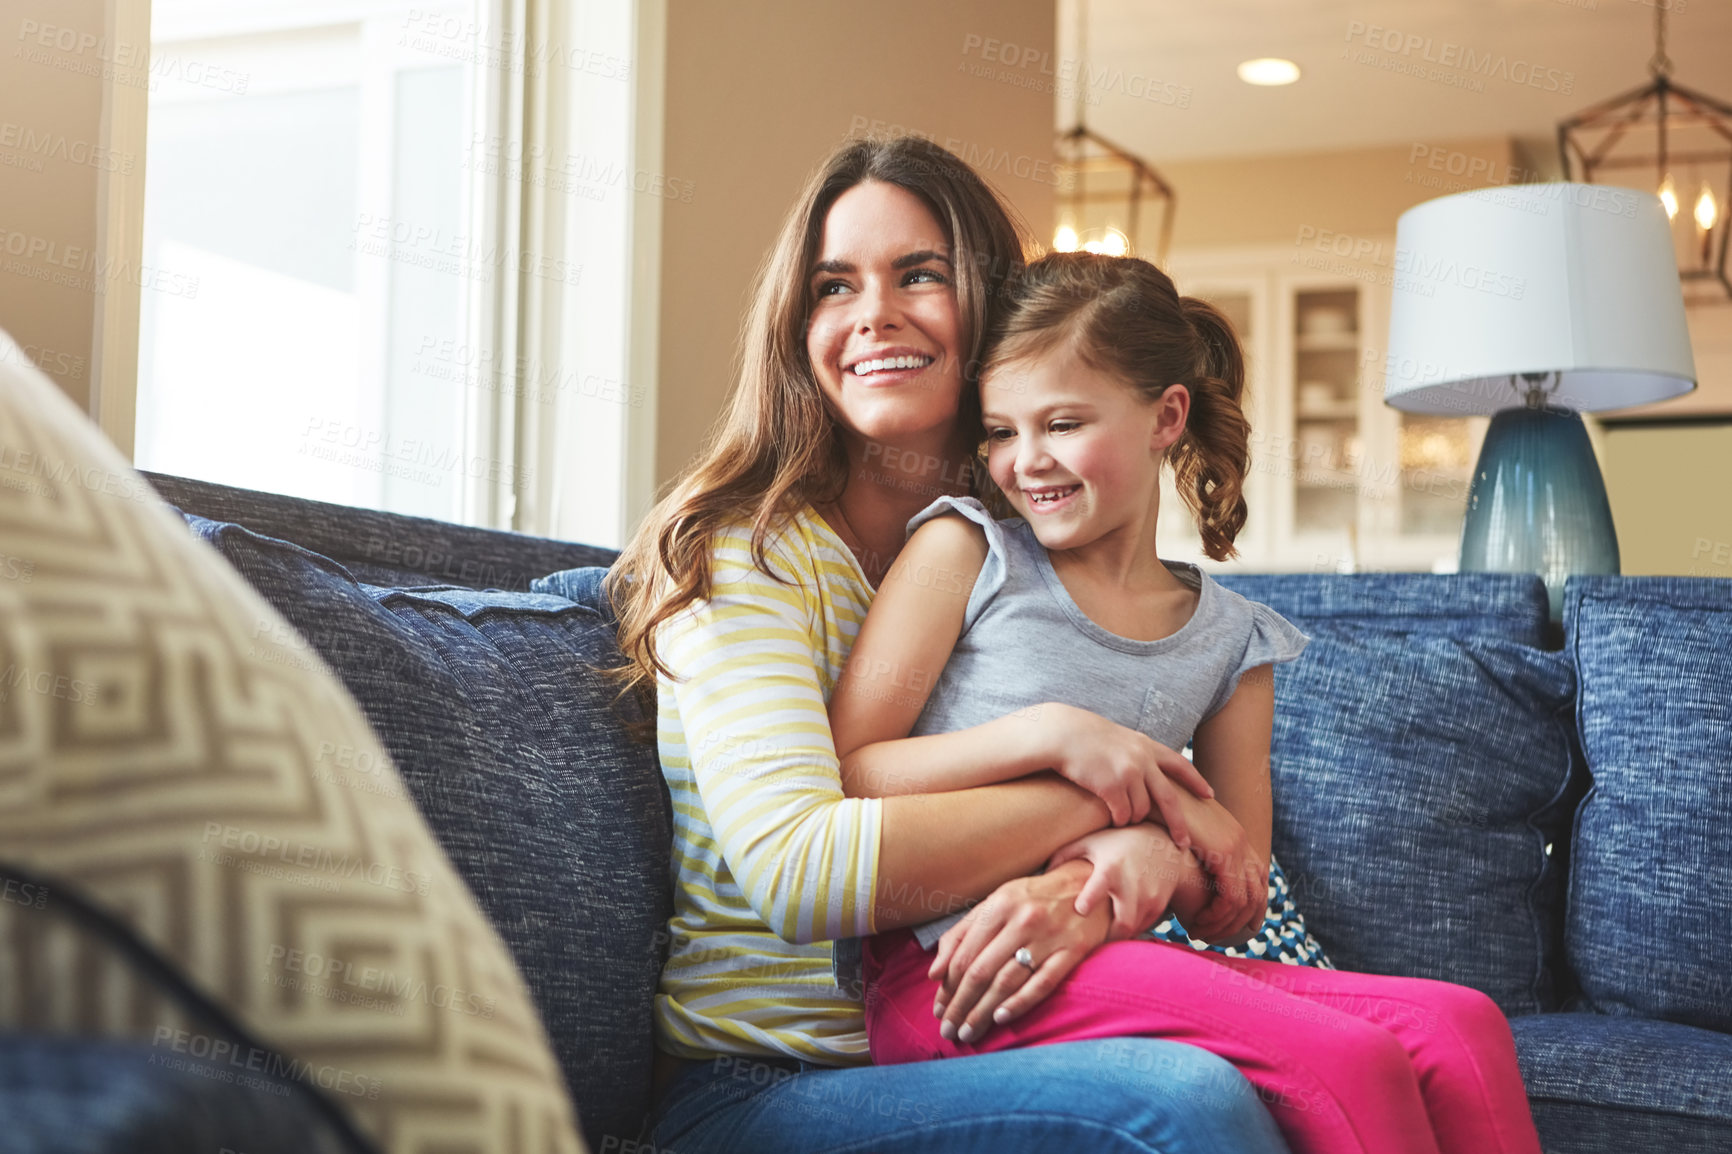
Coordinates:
[307,183]
[415,255]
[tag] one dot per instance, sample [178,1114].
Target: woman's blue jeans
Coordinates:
[1107,1096]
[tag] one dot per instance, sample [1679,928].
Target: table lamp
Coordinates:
[1534,303]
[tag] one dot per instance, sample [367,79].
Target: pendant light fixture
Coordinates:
[1103,189]
[1682,140]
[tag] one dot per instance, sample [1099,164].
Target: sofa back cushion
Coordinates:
[1421,763]
[1500,606]
[1651,861]
[508,743]
[380,548]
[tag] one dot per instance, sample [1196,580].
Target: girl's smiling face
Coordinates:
[884,329]
[1077,452]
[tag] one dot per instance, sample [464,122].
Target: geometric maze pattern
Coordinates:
[175,755]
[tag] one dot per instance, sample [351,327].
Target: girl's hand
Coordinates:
[982,982]
[1135,869]
[1238,891]
[1129,771]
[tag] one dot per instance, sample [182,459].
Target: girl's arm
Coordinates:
[902,648]
[762,773]
[1231,749]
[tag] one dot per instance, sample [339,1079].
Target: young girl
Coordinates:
[1097,374]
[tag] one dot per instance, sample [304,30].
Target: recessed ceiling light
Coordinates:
[1268,71]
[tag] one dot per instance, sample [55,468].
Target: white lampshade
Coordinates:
[1577,279]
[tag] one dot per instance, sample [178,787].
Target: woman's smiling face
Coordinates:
[884,330]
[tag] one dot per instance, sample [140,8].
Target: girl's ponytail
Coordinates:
[1211,460]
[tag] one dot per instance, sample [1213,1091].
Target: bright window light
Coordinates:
[309,174]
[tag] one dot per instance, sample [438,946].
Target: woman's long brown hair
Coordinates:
[775,448]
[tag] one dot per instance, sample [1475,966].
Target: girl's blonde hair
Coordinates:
[775,447]
[1122,316]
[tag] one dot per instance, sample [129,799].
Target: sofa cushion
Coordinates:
[1509,606]
[61,1094]
[1421,765]
[510,746]
[384,548]
[1652,851]
[164,779]
[1607,1085]
[582,585]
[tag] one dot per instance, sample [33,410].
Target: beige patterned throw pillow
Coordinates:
[174,756]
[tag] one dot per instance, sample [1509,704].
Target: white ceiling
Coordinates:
[1594,48]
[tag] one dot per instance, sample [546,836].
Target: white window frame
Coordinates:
[120,234]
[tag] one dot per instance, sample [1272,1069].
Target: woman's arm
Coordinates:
[941,853]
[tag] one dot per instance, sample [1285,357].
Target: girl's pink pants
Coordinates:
[1345,1062]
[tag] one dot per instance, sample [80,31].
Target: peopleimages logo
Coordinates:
[369,987]
[43,144]
[250,845]
[1422,49]
[1366,259]
[253,1066]
[1439,269]
[56,262]
[1028,66]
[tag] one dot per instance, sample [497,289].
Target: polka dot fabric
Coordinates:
[1283,937]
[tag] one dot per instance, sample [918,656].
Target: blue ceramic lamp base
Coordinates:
[1538,503]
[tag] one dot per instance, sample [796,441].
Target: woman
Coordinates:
[739,599]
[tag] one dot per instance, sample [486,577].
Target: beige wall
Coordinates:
[1671,490]
[758,91]
[50,176]
[1271,199]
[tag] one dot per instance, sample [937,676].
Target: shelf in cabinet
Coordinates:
[1334,411]
[1327,342]
[1339,479]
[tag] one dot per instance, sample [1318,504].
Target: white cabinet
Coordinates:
[1339,481]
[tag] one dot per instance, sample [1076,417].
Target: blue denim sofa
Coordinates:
[1459,794]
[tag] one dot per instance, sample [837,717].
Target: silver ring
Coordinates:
[1024,958]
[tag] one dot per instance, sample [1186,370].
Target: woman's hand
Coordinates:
[1129,771]
[1135,870]
[982,982]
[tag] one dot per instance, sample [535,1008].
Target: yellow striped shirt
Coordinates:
[771,861]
